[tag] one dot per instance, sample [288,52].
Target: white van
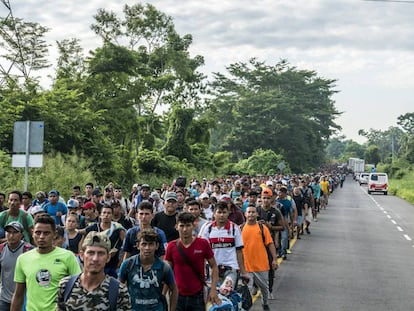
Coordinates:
[363,178]
[378,182]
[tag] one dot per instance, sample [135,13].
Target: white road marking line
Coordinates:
[389,217]
[407,237]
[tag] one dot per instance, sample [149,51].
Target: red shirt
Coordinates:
[188,282]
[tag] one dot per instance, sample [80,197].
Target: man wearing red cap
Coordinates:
[89,209]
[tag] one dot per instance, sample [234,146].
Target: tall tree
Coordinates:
[372,155]
[165,74]
[336,147]
[177,142]
[387,141]
[406,140]
[277,107]
[24,47]
[71,63]
[143,68]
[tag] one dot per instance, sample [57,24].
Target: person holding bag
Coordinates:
[187,256]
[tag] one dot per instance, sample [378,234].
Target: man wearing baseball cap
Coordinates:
[9,251]
[166,220]
[89,210]
[55,208]
[93,289]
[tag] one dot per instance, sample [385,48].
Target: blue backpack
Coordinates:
[237,301]
[226,305]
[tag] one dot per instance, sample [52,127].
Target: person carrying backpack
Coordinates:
[259,254]
[9,251]
[93,289]
[145,275]
[225,239]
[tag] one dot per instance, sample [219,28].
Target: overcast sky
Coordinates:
[366,45]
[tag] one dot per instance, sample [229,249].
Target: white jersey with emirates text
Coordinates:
[224,242]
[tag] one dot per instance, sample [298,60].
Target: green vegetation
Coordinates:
[391,151]
[138,108]
[403,187]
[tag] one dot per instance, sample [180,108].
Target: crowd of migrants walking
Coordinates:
[193,245]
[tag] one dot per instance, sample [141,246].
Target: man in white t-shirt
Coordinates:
[226,241]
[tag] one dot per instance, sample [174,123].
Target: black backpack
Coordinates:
[181,182]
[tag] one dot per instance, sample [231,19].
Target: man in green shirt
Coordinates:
[15,213]
[39,271]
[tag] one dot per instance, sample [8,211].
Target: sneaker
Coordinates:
[266,308]
[288,251]
[315,220]
[271,297]
[284,257]
[307,231]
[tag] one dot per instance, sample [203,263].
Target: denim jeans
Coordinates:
[285,241]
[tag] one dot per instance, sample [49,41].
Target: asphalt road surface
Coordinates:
[359,256]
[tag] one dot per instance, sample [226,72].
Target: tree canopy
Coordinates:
[138,104]
[276,107]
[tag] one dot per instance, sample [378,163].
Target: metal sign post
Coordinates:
[28,139]
[26,167]
[281,166]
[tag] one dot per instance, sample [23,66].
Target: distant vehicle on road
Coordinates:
[363,178]
[356,165]
[378,182]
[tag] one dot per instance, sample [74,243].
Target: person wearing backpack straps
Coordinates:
[257,243]
[307,193]
[93,289]
[225,240]
[187,256]
[15,213]
[145,214]
[146,274]
[9,251]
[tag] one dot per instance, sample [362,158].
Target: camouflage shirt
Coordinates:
[97,299]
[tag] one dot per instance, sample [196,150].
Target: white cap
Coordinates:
[204,195]
[269,183]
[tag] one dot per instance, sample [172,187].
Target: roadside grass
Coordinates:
[404,187]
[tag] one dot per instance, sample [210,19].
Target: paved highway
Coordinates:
[359,256]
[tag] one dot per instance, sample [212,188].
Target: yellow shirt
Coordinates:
[325,186]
